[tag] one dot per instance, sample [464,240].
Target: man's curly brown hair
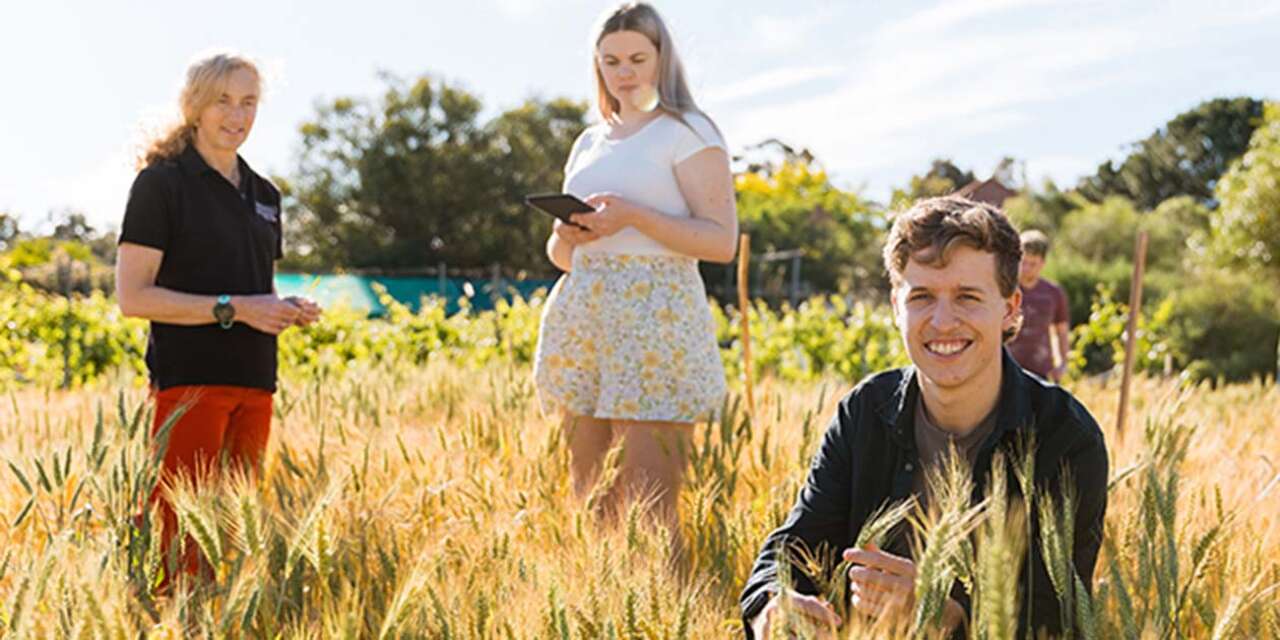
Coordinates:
[929,230]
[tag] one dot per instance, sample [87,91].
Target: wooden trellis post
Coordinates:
[1135,308]
[744,308]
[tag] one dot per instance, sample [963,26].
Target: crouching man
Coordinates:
[953,267]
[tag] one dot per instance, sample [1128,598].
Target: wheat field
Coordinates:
[435,502]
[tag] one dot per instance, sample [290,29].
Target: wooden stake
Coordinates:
[1131,338]
[744,308]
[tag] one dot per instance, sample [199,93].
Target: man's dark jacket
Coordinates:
[866,460]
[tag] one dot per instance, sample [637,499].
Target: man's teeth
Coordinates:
[946,348]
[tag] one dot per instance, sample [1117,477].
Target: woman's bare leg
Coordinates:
[589,439]
[654,456]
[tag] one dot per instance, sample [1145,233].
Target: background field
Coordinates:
[426,496]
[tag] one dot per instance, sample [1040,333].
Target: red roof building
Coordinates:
[990,191]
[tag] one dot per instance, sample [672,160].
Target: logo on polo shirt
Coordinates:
[268,212]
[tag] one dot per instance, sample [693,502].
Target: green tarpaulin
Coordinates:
[357,292]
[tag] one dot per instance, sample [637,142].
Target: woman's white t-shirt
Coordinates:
[641,168]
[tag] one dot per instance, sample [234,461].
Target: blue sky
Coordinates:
[875,89]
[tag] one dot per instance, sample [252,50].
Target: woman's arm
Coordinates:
[711,234]
[560,251]
[562,241]
[139,297]
[707,186]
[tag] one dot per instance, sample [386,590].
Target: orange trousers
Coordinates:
[220,423]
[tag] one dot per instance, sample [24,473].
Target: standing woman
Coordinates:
[627,348]
[200,235]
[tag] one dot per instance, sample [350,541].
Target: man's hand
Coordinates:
[1056,373]
[882,584]
[816,611]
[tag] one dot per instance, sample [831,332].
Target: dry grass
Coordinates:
[435,502]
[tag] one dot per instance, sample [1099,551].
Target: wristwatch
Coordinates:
[223,312]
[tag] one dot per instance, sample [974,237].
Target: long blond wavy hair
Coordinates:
[206,79]
[674,96]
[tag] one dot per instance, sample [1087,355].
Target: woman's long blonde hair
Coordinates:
[674,96]
[206,79]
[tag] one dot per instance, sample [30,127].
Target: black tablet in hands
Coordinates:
[560,205]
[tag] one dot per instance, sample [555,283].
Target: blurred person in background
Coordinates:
[1043,345]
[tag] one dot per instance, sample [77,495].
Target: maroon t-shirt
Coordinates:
[1043,306]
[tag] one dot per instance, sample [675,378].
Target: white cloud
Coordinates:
[768,81]
[786,33]
[522,8]
[951,14]
[911,98]
[899,102]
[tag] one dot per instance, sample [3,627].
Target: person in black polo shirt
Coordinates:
[200,236]
[953,267]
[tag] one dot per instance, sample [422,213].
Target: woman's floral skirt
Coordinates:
[630,338]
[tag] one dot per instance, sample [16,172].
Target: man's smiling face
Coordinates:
[952,316]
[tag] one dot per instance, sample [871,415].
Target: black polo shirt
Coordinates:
[216,239]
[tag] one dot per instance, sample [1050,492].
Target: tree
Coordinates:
[71,225]
[1100,232]
[770,155]
[1185,157]
[414,179]
[942,178]
[1011,172]
[1105,232]
[1246,225]
[1043,209]
[10,230]
[532,143]
[795,206]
